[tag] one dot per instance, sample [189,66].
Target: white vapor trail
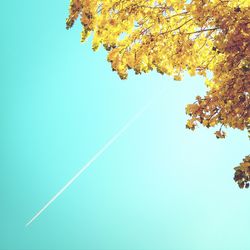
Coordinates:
[94,158]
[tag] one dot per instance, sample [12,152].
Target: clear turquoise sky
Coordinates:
[160,186]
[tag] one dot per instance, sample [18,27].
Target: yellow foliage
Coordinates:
[173,36]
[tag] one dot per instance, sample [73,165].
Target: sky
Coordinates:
[158,186]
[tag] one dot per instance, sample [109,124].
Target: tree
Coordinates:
[174,36]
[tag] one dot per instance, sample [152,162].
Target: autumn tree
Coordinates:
[174,36]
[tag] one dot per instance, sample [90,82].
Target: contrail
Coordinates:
[94,158]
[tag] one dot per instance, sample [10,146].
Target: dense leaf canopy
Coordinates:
[174,36]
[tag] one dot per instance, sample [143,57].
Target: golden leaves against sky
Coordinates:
[175,36]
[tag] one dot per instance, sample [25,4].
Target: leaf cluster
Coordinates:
[174,36]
